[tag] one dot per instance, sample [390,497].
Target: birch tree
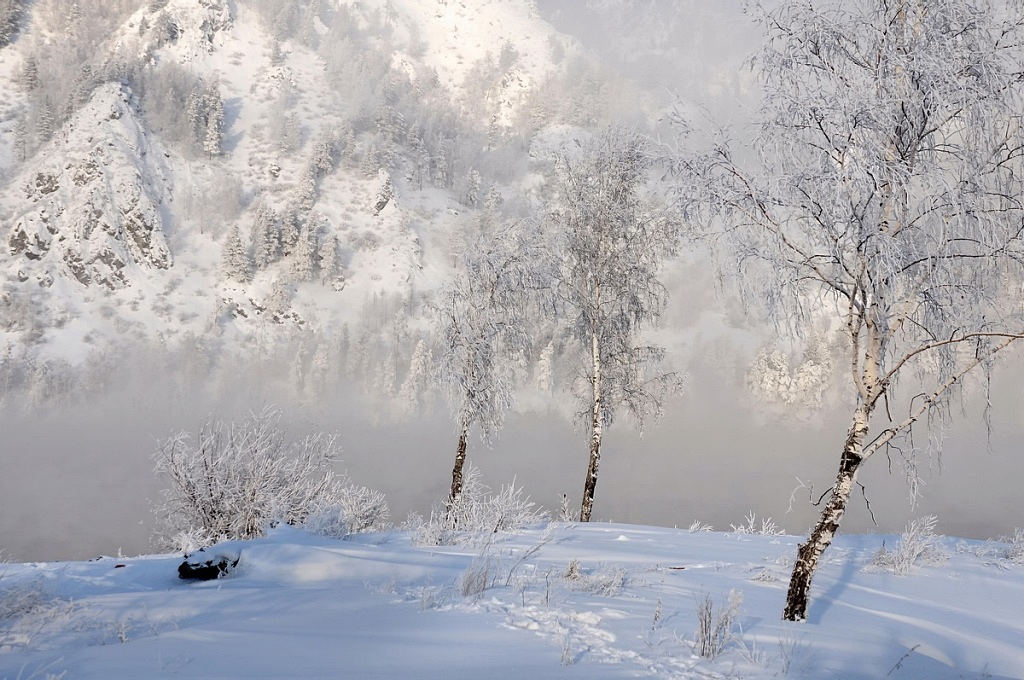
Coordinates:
[481,326]
[610,238]
[888,195]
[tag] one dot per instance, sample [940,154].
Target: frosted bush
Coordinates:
[766,527]
[232,480]
[476,514]
[28,611]
[605,580]
[19,597]
[717,626]
[356,509]
[918,546]
[1015,547]
[478,576]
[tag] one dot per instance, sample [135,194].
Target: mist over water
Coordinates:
[79,482]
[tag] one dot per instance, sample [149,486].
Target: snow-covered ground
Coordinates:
[561,600]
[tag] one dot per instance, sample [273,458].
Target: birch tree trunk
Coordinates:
[460,461]
[596,430]
[809,554]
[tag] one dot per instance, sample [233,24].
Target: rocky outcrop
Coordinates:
[91,204]
[208,564]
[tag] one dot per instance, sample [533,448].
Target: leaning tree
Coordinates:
[481,325]
[609,236]
[886,192]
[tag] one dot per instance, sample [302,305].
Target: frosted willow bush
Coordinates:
[476,514]
[919,545]
[231,480]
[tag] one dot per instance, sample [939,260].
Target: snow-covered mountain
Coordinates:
[240,172]
[114,199]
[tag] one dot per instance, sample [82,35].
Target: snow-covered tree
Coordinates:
[473,188]
[888,194]
[10,16]
[46,123]
[323,369]
[417,378]
[610,236]
[330,262]
[265,238]
[359,358]
[21,139]
[771,377]
[320,162]
[480,323]
[385,191]
[280,300]
[385,376]
[204,112]
[322,156]
[235,263]
[544,376]
[214,134]
[28,78]
[304,257]
[289,231]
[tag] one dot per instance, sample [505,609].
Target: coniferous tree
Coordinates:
[330,260]
[235,262]
[307,193]
[29,76]
[544,378]
[384,380]
[304,257]
[289,231]
[45,122]
[21,139]
[473,188]
[81,89]
[280,300]
[265,238]
[214,134]
[417,379]
[11,12]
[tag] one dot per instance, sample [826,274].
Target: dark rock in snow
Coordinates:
[204,566]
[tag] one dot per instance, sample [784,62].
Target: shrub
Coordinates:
[1015,546]
[918,545]
[767,527]
[716,626]
[232,480]
[476,514]
[605,580]
[355,509]
[29,612]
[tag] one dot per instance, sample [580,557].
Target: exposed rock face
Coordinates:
[93,199]
[192,25]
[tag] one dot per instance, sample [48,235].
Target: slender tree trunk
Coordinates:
[460,461]
[809,553]
[596,430]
